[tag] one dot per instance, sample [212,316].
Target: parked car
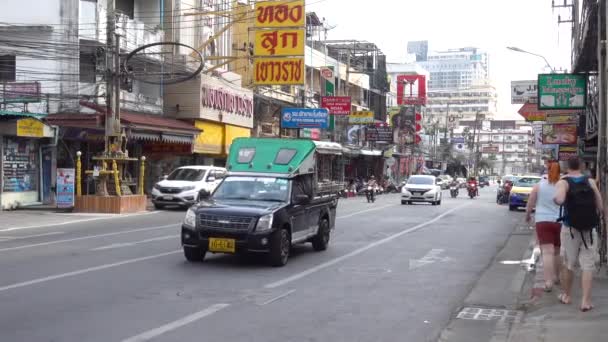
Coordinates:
[521,190]
[182,187]
[421,188]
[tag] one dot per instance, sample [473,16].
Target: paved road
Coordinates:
[392,272]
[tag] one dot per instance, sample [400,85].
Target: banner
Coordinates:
[279,71]
[567,152]
[283,13]
[379,134]
[284,42]
[304,118]
[361,117]
[337,105]
[562,91]
[559,134]
[65,187]
[524,92]
[562,119]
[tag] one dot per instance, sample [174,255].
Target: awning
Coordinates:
[326,147]
[176,138]
[144,136]
[374,153]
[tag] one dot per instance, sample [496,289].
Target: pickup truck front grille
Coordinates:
[226,222]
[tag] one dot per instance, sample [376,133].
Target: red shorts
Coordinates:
[548,233]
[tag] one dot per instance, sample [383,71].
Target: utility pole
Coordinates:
[602,57]
[476,137]
[112,122]
[503,149]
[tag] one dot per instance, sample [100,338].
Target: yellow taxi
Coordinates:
[522,187]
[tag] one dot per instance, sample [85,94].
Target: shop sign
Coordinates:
[279,71]
[283,42]
[304,118]
[411,90]
[311,133]
[567,152]
[562,91]
[530,112]
[549,152]
[337,105]
[560,134]
[379,134]
[30,128]
[65,187]
[562,119]
[457,140]
[524,92]
[489,149]
[284,13]
[227,104]
[20,92]
[361,117]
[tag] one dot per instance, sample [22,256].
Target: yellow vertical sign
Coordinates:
[282,42]
[283,13]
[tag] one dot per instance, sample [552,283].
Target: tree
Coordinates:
[485,164]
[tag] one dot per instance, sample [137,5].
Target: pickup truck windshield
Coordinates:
[253,188]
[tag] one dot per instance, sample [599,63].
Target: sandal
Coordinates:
[563,298]
[587,308]
[548,288]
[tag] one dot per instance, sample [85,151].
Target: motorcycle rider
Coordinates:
[473,183]
[372,184]
[454,185]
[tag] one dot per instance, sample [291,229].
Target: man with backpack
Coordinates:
[581,212]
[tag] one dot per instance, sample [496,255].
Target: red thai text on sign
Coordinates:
[279,13]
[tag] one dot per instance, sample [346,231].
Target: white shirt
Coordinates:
[546,209]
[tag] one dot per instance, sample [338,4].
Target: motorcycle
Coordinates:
[453,191]
[472,190]
[370,194]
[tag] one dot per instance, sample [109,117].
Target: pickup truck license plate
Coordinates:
[222,245]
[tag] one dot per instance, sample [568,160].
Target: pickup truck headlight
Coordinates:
[190,219]
[264,223]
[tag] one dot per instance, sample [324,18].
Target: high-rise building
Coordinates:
[418,48]
[457,68]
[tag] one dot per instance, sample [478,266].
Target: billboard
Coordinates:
[565,134]
[411,90]
[562,119]
[524,91]
[279,42]
[379,134]
[361,117]
[566,152]
[65,187]
[562,91]
[304,118]
[337,105]
[282,13]
[279,71]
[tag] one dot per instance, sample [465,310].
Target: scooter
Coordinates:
[370,194]
[472,190]
[453,191]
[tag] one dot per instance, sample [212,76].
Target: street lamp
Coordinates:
[516,49]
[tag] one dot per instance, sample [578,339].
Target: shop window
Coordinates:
[284,156]
[246,155]
[21,164]
[8,68]
[87,67]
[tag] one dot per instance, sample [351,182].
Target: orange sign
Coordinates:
[279,71]
[279,42]
[283,13]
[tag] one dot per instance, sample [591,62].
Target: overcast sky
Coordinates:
[488,24]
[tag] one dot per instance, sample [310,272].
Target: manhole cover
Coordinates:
[485,314]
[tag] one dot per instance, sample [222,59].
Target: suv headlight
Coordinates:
[188,188]
[264,223]
[156,186]
[190,219]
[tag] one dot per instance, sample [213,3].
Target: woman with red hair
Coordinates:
[547,227]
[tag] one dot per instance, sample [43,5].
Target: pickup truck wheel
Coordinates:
[194,254]
[280,246]
[159,206]
[321,240]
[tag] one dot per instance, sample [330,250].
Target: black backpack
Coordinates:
[580,207]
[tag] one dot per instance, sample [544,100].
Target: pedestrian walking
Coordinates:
[547,227]
[582,211]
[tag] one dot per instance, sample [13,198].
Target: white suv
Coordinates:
[183,185]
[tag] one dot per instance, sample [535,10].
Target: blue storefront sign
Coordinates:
[305,118]
[458,140]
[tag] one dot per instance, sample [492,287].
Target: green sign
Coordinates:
[330,90]
[562,91]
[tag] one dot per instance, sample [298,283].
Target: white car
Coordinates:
[421,189]
[183,185]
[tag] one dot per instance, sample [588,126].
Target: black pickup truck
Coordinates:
[268,202]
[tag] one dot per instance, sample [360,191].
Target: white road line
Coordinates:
[87,237]
[11,238]
[150,334]
[83,271]
[365,211]
[278,297]
[76,221]
[129,244]
[359,251]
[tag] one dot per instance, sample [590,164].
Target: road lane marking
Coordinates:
[272,300]
[431,257]
[83,271]
[150,334]
[359,251]
[87,237]
[77,221]
[366,211]
[12,238]
[129,244]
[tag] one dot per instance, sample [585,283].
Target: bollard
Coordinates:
[142,170]
[116,178]
[78,174]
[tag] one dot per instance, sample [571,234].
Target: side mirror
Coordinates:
[302,199]
[165,177]
[203,194]
[210,179]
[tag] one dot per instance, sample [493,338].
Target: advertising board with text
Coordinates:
[411,90]
[65,187]
[279,42]
[566,152]
[361,117]
[524,91]
[282,13]
[337,105]
[549,152]
[562,91]
[304,118]
[379,134]
[279,71]
[562,119]
[560,134]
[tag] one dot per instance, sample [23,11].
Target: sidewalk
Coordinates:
[546,319]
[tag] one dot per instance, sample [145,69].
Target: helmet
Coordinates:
[372,177]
